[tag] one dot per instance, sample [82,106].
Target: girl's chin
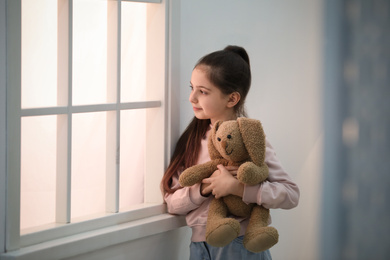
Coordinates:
[200,116]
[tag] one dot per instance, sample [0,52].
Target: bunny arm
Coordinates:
[195,174]
[251,174]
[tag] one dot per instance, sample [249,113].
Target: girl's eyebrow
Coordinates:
[200,86]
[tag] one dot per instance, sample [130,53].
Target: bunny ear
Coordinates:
[213,152]
[254,139]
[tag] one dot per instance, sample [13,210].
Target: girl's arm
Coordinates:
[278,191]
[185,199]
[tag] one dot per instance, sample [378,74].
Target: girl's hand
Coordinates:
[232,170]
[223,182]
[206,192]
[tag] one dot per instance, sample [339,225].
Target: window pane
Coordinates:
[88,164]
[132,157]
[39,53]
[89,52]
[133,52]
[38,171]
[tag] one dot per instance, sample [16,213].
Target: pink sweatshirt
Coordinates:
[278,191]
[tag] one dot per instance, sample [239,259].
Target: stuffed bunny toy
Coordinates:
[239,143]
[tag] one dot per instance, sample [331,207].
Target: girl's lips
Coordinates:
[196,108]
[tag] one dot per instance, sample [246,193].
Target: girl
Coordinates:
[220,82]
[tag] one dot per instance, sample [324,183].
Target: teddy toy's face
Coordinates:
[229,143]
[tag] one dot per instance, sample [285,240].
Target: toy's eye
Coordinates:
[229,136]
[219,139]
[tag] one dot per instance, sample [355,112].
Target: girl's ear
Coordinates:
[234,98]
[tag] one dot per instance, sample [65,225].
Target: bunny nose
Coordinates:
[224,144]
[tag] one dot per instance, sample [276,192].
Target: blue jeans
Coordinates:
[235,251]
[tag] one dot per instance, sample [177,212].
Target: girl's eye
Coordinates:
[200,90]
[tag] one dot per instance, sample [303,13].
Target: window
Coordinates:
[86,120]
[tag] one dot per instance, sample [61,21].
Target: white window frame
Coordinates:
[145,220]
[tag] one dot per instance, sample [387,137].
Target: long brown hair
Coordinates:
[229,70]
[186,151]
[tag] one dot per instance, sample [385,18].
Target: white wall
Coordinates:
[166,246]
[283,39]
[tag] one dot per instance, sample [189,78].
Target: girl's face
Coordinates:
[208,101]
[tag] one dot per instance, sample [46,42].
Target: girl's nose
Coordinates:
[192,97]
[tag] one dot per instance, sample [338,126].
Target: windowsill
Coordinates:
[96,239]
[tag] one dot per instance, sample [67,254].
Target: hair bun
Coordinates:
[238,50]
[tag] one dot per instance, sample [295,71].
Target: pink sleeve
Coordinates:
[278,191]
[185,199]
